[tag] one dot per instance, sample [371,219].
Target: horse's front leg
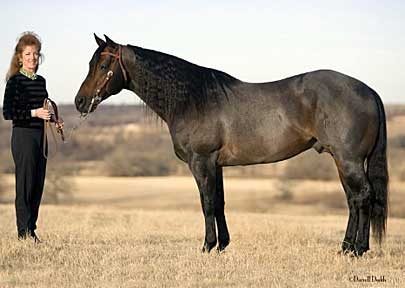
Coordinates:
[204,172]
[223,234]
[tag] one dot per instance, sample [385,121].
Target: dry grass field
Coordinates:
[95,246]
[147,232]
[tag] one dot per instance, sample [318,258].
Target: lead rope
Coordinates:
[46,125]
[76,126]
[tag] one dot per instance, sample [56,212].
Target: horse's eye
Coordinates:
[103,67]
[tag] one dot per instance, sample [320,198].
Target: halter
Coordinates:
[96,99]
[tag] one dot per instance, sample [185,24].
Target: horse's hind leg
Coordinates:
[351,230]
[358,192]
[223,234]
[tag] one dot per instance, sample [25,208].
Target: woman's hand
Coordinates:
[41,113]
[60,124]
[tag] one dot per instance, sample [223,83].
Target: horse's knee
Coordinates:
[360,194]
[354,178]
[365,201]
[361,201]
[209,207]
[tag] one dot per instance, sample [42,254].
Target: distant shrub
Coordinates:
[1,188]
[125,163]
[142,154]
[397,142]
[335,199]
[58,188]
[397,209]
[284,189]
[85,148]
[311,165]
[6,160]
[402,175]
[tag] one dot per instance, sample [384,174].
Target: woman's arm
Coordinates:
[11,108]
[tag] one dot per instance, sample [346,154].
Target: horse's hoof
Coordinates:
[347,252]
[220,250]
[208,247]
[359,251]
[347,248]
[222,245]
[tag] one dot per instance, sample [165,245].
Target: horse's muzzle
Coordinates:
[81,103]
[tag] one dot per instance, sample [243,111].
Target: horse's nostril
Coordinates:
[80,102]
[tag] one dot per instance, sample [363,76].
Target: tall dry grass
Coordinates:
[95,246]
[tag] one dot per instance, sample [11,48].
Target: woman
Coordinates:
[23,101]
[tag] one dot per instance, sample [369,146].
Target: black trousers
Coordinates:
[30,167]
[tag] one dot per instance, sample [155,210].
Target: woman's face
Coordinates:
[29,58]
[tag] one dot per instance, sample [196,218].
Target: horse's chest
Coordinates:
[200,139]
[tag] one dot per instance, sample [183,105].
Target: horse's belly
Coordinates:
[258,150]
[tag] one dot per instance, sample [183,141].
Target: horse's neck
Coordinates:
[140,88]
[171,86]
[152,102]
[150,87]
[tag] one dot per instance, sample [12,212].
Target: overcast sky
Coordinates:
[255,41]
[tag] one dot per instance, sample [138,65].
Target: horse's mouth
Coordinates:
[95,101]
[88,111]
[83,115]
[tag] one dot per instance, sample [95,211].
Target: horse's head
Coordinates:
[106,77]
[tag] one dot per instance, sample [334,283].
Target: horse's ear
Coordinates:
[99,40]
[109,41]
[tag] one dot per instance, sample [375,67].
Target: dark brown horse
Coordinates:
[216,120]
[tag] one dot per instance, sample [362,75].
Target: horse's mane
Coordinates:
[176,85]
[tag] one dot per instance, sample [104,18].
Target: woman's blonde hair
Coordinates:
[26,39]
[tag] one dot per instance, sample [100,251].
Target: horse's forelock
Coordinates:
[97,53]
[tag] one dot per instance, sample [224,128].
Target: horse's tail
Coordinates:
[377,173]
